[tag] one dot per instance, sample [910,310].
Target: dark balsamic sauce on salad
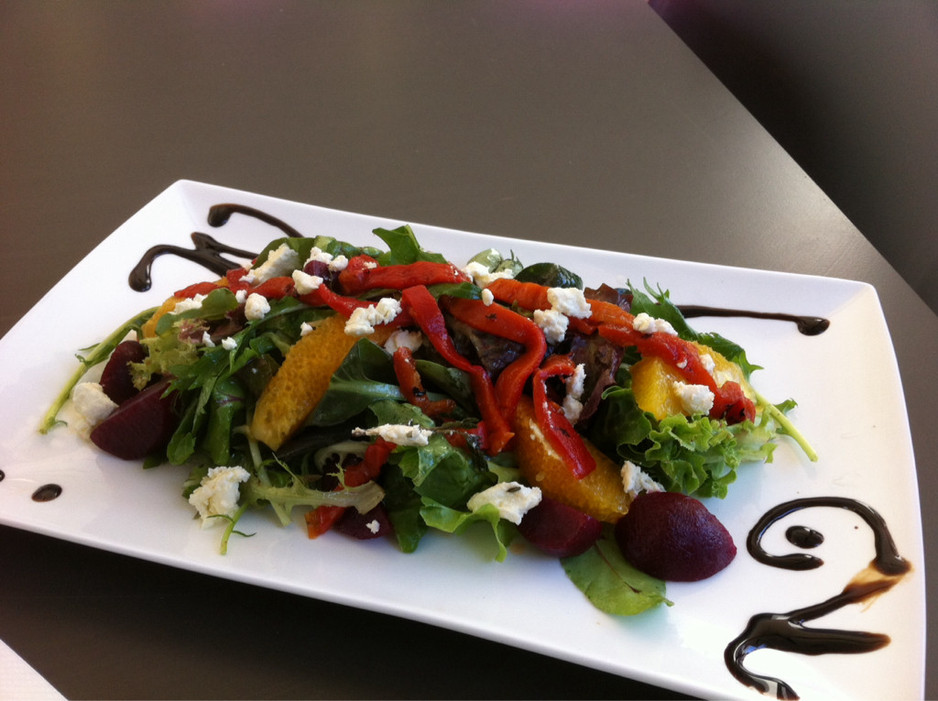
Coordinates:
[207,251]
[47,492]
[786,632]
[2,475]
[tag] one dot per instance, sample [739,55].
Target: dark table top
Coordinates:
[571,122]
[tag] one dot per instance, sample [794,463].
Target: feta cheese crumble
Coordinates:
[185,305]
[281,261]
[553,323]
[635,480]
[305,283]
[363,320]
[398,434]
[402,338]
[480,274]
[643,323]
[575,384]
[512,499]
[569,301]
[228,343]
[207,340]
[218,493]
[487,297]
[92,404]
[695,399]
[256,307]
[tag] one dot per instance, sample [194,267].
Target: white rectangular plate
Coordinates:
[851,409]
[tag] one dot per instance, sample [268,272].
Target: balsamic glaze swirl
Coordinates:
[786,632]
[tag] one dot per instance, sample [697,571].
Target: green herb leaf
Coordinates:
[610,583]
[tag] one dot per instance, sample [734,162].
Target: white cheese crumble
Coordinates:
[185,305]
[373,526]
[572,406]
[92,404]
[334,263]
[363,320]
[708,362]
[207,340]
[256,307]
[695,399]
[306,328]
[217,493]
[241,296]
[553,323]
[569,301]
[635,480]
[643,323]
[281,261]
[304,283]
[398,434]
[228,343]
[512,499]
[480,274]
[402,338]
[487,297]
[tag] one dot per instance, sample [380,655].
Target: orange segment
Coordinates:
[149,328]
[600,494]
[302,380]
[653,382]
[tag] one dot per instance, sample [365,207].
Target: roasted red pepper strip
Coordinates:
[235,279]
[528,295]
[504,323]
[555,425]
[412,386]
[322,296]
[199,288]
[426,314]
[274,288]
[729,402]
[363,273]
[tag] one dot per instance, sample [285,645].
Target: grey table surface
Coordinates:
[580,122]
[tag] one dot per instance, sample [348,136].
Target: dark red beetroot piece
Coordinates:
[364,526]
[116,380]
[559,530]
[140,426]
[674,537]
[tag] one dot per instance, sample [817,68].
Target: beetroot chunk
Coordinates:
[116,380]
[559,530]
[365,526]
[674,537]
[140,426]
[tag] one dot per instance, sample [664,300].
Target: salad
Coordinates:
[386,392]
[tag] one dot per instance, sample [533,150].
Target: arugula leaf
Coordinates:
[657,303]
[403,247]
[610,583]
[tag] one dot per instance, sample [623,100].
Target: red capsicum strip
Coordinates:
[322,296]
[412,386]
[363,273]
[503,322]
[729,402]
[425,312]
[555,425]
